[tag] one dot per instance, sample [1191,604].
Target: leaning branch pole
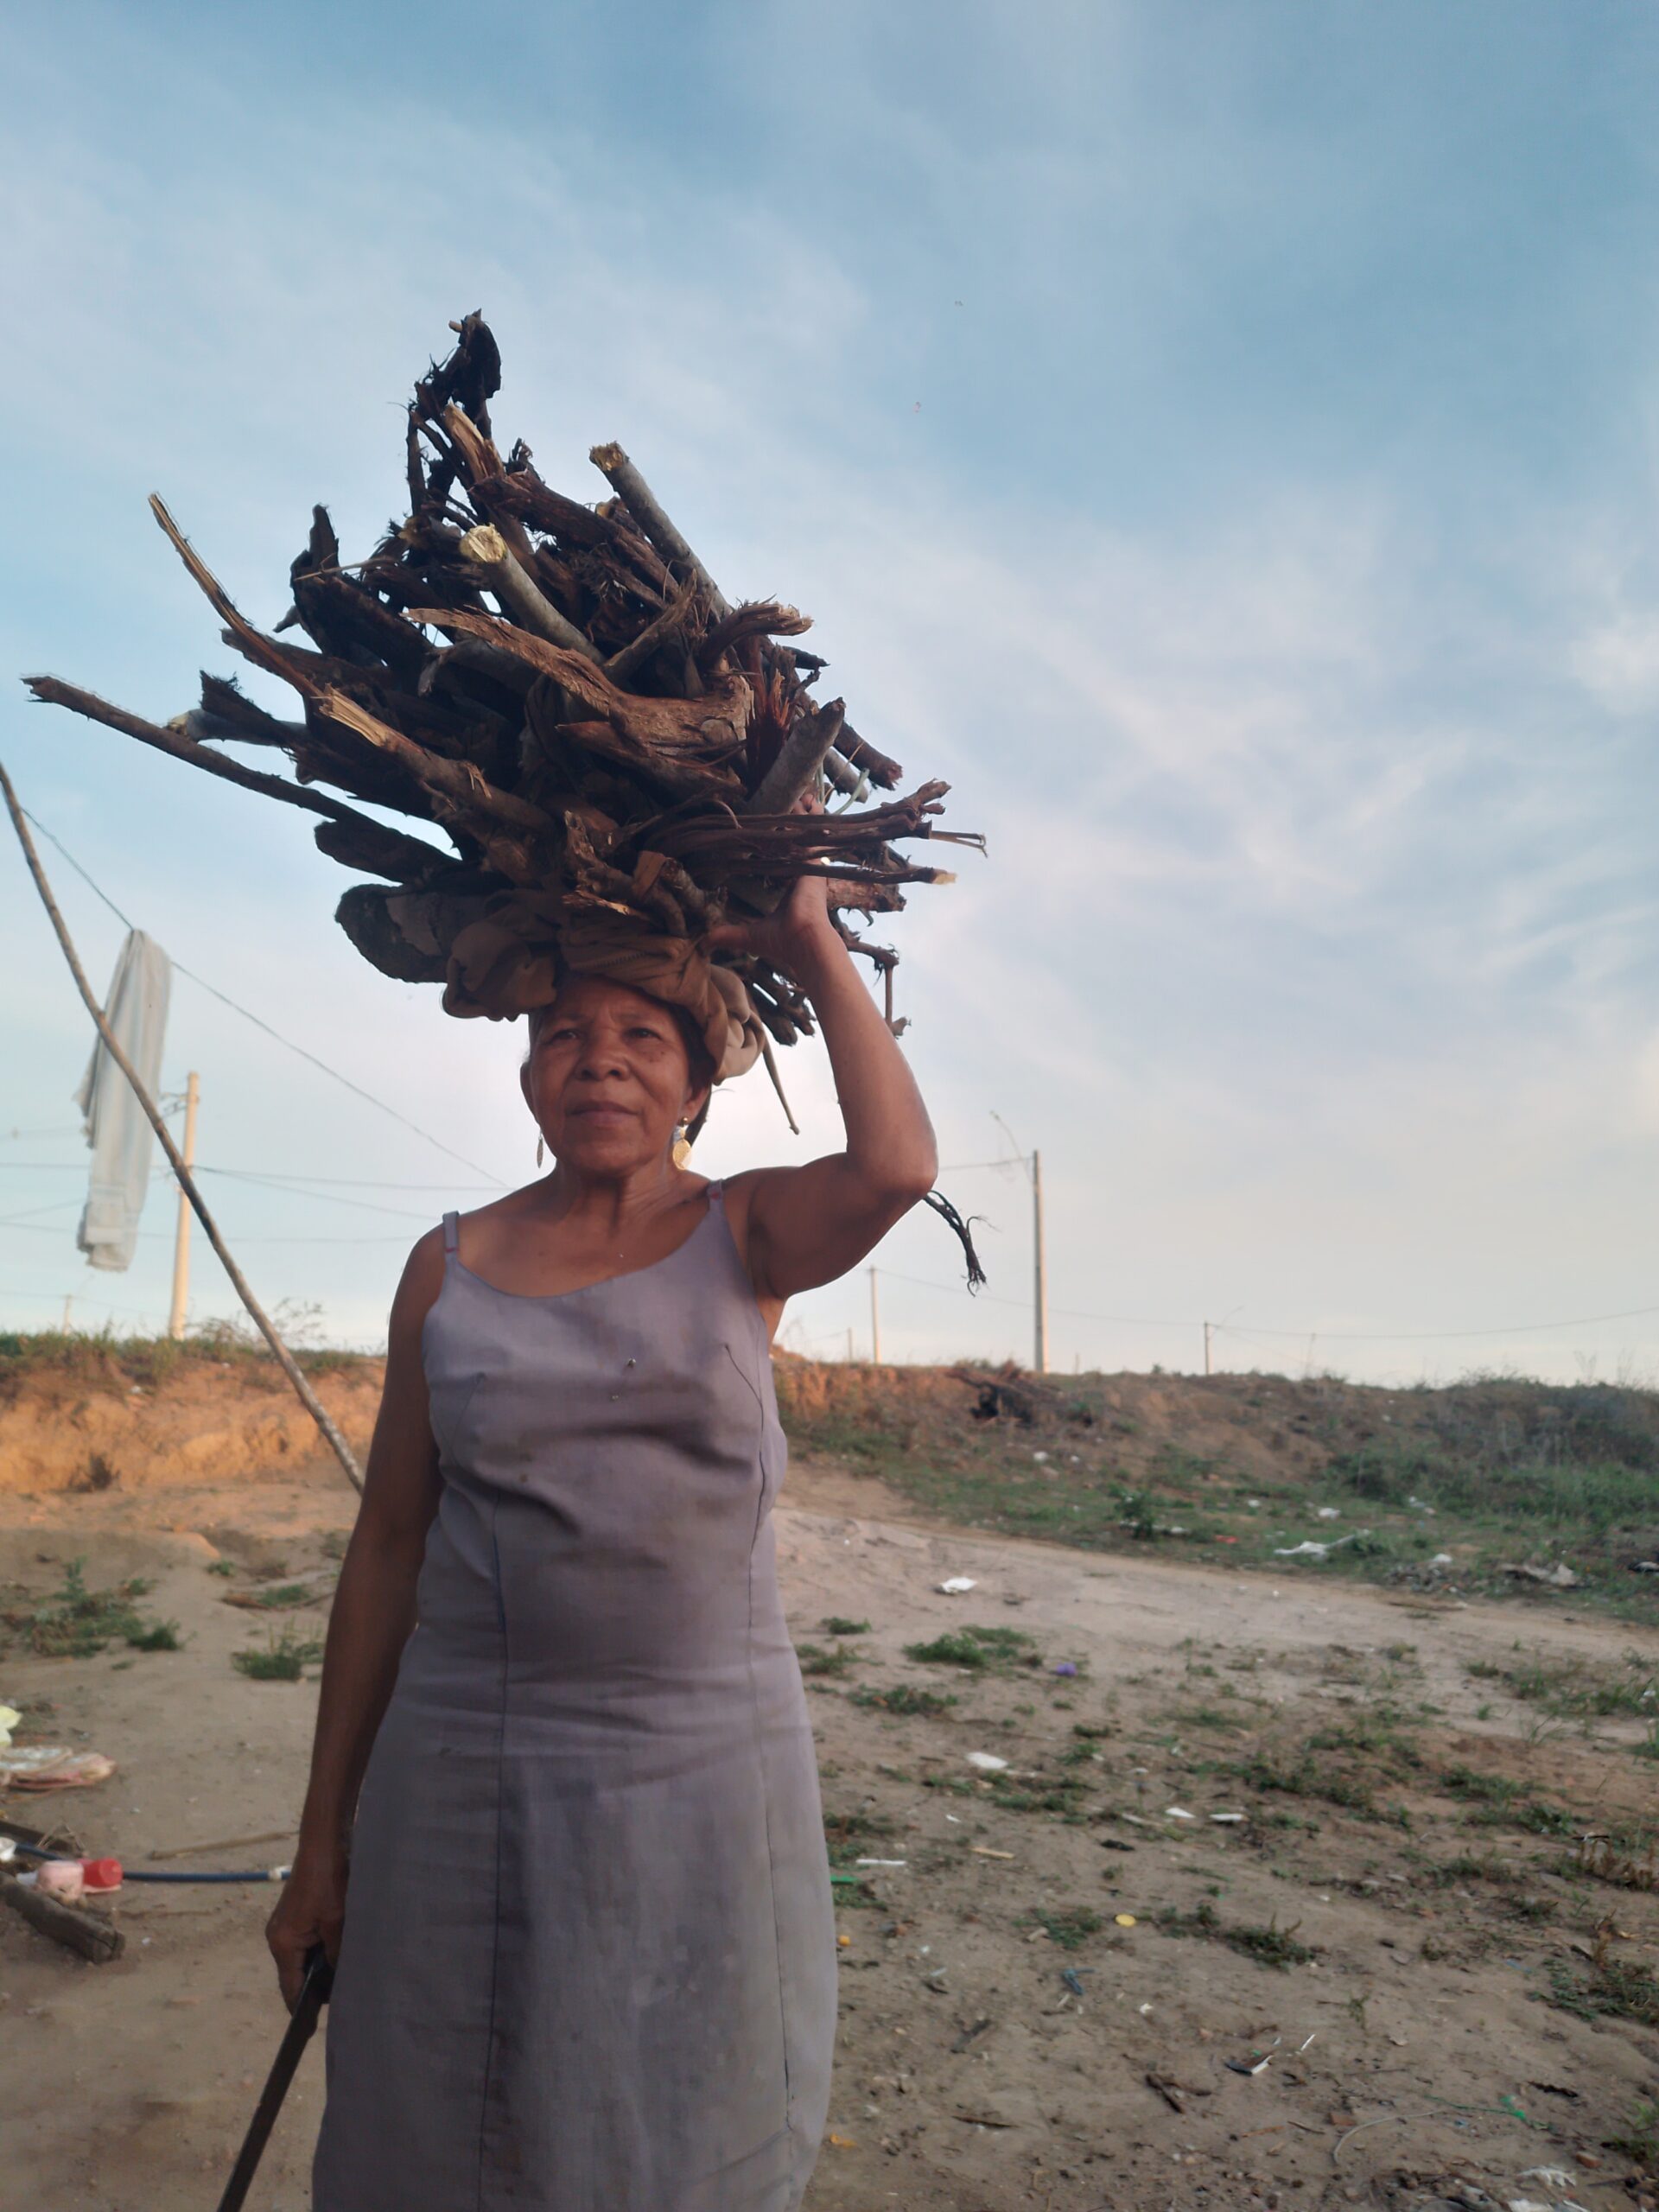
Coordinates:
[307,1396]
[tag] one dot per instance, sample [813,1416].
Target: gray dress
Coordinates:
[589,1961]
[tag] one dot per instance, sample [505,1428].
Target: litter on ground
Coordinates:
[52,1766]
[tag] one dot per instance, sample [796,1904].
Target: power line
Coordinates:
[1300,1336]
[1442,1335]
[213,991]
[1070,1313]
[320,1198]
[12,1221]
[22,1227]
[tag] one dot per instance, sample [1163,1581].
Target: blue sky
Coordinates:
[1220,439]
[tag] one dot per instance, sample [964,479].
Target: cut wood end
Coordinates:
[607,457]
[485,544]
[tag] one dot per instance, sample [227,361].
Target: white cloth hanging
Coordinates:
[117,1128]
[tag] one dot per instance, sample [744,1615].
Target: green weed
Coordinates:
[1069,1926]
[1271,1946]
[1616,1988]
[281,1595]
[973,1648]
[283,1658]
[902,1697]
[1640,2141]
[76,1622]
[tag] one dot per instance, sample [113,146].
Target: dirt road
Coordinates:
[1444,2000]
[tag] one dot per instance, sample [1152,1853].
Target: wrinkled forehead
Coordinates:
[598,997]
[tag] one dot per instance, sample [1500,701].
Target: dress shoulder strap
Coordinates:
[451,1235]
[715,1193]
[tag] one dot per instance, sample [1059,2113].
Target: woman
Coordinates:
[587,1959]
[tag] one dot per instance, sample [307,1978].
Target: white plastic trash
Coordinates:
[987,1762]
[957,1584]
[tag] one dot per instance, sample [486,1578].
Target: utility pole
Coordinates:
[1031,1162]
[182,1235]
[1039,1268]
[849,1347]
[1206,1347]
[875,1325]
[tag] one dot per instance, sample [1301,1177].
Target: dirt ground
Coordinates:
[1393,1925]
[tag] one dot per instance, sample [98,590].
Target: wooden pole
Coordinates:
[1040,1286]
[307,1396]
[182,1235]
[875,1325]
[1040,1270]
[1206,1347]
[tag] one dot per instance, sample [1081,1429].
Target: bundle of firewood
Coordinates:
[564,693]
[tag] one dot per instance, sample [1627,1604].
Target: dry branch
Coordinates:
[640,501]
[488,552]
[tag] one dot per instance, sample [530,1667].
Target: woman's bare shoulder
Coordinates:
[420,1283]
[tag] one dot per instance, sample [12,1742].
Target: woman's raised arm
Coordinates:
[374,1614]
[806,1225]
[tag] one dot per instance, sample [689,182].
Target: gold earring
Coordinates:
[541,1150]
[682,1151]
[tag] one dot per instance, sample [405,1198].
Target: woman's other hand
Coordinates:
[797,933]
[310,1911]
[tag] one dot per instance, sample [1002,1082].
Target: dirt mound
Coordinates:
[97,1421]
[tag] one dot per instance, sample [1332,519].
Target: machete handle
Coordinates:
[314,1985]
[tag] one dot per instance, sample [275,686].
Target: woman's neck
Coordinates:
[613,1202]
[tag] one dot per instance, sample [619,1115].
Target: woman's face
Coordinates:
[608,1077]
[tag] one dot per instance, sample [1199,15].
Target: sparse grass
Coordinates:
[1069,1926]
[224,1567]
[1581,1688]
[848,1836]
[976,1648]
[160,1635]
[280,1597]
[1640,2141]
[1271,1946]
[1317,1779]
[902,1697]
[76,1622]
[1618,1989]
[837,1624]
[1063,1796]
[1467,1867]
[283,1658]
[1500,1802]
